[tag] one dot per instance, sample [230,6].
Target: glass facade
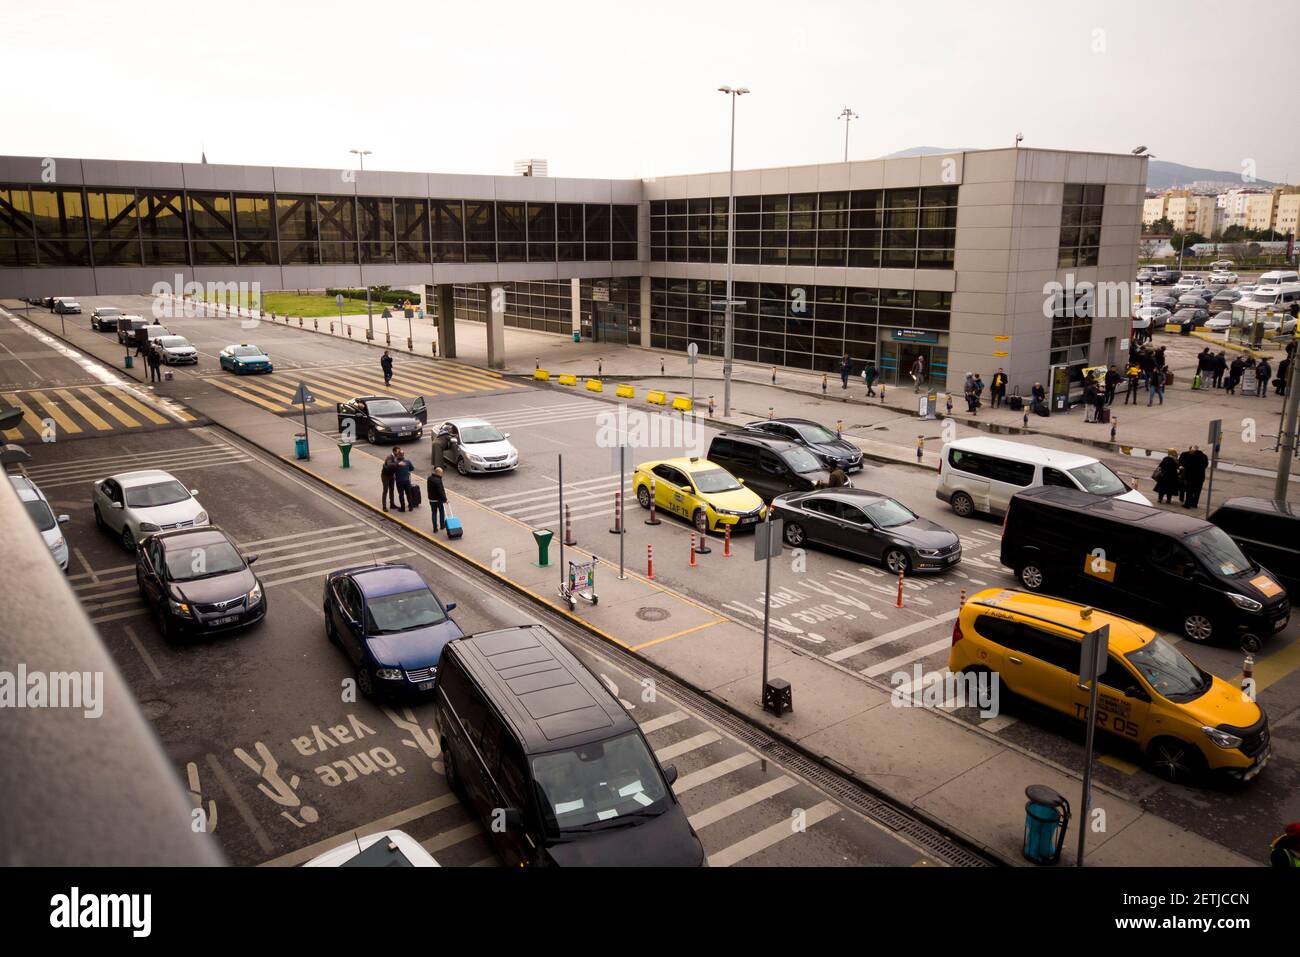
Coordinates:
[150,227]
[1081,209]
[802,326]
[547,306]
[912,228]
[1071,328]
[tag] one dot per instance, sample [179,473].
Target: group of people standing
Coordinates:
[1215,372]
[1181,475]
[395,474]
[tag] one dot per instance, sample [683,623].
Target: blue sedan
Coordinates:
[391,625]
[244,357]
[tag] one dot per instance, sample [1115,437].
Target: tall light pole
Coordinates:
[361,155]
[729,321]
[848,116]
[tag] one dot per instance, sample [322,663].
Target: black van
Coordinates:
[1143,563]
[769,465]
[549,760]
[1268,530]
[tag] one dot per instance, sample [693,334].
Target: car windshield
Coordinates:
[1171,673]
[801,460]
[714,480]
[584,787]
[1098,479]
[160,493]
[385,407]
[41,514]
[888,513]
[187,563]
[172,342]
[246,351]
[403,611]
[108,311]
[816,433]
[1219,552]
[477,434]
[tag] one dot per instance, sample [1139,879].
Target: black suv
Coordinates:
[768,465]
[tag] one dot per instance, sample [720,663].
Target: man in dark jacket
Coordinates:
[437,499]
[1234,375]
[402,477]
[1263,373]
[1112,380]
[386,363]
[998,388]
[846,369]
[1217,368]
[1038,395]
[1166,477]
[154,361]
[1194,464]
[1283,370]
[388,475]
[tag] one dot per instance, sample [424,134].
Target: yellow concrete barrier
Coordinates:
[626,392]
[657,398]
[595,385]
[568,379]
[541,375]
[681,403]
[1173,327]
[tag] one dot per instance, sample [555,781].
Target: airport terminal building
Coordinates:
[950,257]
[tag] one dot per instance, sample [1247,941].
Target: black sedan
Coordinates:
[1163,301]
[833,451]
[196,582]
[868,524]
[1191,318]
[381,419]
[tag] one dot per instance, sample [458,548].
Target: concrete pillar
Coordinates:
[575,303]
[446,302]
[494,311]
[645,312]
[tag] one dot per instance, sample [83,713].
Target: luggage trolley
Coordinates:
[580,583]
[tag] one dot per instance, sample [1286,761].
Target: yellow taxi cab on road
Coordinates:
[701,492]
[1185,720]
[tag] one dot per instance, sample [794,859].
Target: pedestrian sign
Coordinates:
[303,396]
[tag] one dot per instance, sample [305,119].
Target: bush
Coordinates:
[389,297]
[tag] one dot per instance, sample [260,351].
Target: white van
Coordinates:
[1279,297]
[981,475]
[1278,277]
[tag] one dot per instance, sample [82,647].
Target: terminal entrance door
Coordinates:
[896,359]
[609,323]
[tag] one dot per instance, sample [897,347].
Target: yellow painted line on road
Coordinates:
[126,399]
[83,410]
[1271,670]
[678,634]
[113,410]
[1119,764]
[57,414]
[247,396]
[281,392]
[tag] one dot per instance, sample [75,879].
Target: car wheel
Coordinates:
[166,630]
[365,681]
[1251,644]
[1176,761]
[963,504]
[371,437]
[896,561]
[793,535]
[1031,576]
[1198,627]
[643,496]
[128,539]
[701,521]
[460,465]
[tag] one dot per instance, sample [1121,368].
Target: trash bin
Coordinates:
[130,361]
[346,449]
[543,537]
[1047,817]
[300,445]
[577,336]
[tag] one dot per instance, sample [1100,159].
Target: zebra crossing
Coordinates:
[85,470]
[82,411]
[339,383]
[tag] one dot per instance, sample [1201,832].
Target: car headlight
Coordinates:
[255,594]
[474,458]
[58,543]
[389,674]
[1221,738]
[928,552]
[201,518]
[149,527]
[1241,601]
[179,607]
[380,428]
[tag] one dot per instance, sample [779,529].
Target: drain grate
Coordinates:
[652,614]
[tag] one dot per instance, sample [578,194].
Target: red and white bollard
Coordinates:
[568,527]
[1248,678]
[961,602]
[726,541]
[899,602]
[650,562]
[653,519]
[693,549]
[618,514]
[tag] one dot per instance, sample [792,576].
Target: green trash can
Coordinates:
[130,361]
[543,537]
[577,337]
[300,446]
[346,449]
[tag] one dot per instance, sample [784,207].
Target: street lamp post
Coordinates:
[361,155]
[848,116]
[729,321]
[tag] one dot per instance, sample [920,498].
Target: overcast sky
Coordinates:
[614,89]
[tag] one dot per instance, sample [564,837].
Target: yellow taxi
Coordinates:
[1185,720]
[701,492]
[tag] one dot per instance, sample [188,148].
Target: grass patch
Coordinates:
[308,306]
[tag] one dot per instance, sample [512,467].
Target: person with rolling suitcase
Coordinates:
[437,499]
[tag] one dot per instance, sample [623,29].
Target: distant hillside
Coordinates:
[1161,174]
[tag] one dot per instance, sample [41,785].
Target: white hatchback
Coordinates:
[132,505]
[38,507]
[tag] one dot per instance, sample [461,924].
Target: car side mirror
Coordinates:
[250,558]
[194,491]
[505,435]
[449,606]
[116,504]
[670,774]
[64,519]
[741,481]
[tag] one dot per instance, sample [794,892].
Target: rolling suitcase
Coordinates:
[413,496]
[452,524]
[1016,403]
[1104,416]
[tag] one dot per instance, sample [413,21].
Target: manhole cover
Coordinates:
[652,614]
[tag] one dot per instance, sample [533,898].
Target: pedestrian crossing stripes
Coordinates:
[56,414]
[85,470]
[342,383]
[540,505]
[111,594]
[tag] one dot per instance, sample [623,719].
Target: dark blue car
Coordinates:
[391,625]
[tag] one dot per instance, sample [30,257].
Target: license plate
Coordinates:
[227,619]
[403,435]
[1280,623]
[953,558]
[749,520]
[424,686]
[496,465]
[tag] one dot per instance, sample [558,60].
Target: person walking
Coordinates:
[998,388]
[869,375]
[1195,464]
[1283,370]
[388,475]
[1217,369]
[386,363]
[437,499]
[1099,401]
[846,369]
[402,477]
[1112,381]
[1166,476]
[1234,375]
[154,361]
[918,373]
[1132,394]
[1263,373]
[1156,386]
[1090,400]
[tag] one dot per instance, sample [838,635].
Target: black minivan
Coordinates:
[549,760]
[768,465]
[1268,530]
[1143,563]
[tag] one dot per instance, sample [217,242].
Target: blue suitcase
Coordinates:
[453,527]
